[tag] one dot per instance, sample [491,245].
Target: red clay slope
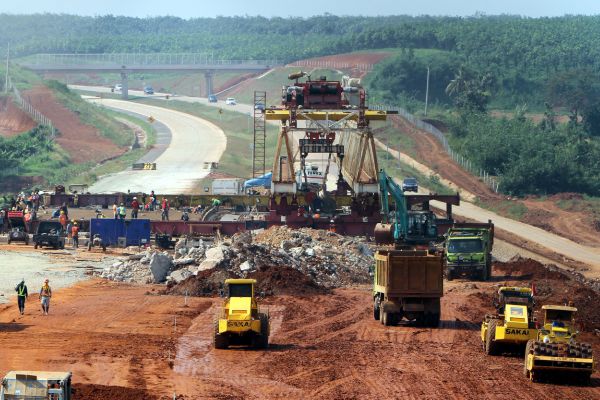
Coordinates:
[82,142]
[13,120]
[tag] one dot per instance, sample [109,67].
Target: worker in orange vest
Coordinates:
[75,234]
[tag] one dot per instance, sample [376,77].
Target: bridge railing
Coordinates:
[491,181]
[129,59]
[29,109]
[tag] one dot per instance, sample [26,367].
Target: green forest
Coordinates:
[478,63]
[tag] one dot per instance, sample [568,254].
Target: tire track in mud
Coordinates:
[196,358]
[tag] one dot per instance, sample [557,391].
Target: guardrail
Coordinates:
[489,180]
[120,59]
[331,65]
[29,109]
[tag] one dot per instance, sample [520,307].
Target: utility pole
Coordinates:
[7,59]
[427,92]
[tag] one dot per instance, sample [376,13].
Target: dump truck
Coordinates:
[555,348]
[241,321]
[36,385]
[513,324]
[18,227]
[468,251]
[407,284]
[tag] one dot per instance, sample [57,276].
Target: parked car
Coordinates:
[212,98]
[49,233]
[230,101]
[117,88]
[148,89]
[410,185]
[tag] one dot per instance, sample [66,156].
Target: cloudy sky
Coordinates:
[269,8]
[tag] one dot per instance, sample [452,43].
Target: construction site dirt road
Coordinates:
[128,342]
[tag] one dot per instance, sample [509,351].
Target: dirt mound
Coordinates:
[526,268]
[277,280]
[13,120]
[83,142]
[101,392]
[206,284]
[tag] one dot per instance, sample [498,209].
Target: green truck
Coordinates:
[468,250]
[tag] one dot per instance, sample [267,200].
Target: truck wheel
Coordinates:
[220,341]
[89,246]
[9,240]
[528,350]
[434,320]
[491,347]
[449,276]
[62,245]
[35,245]
[376,308]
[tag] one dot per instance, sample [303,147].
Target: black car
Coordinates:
[410,185]
[49,233]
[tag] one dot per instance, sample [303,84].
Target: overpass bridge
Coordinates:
[127,63]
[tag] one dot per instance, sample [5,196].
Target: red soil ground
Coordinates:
[13,120]
[83,142]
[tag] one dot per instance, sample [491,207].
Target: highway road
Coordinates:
[180,167]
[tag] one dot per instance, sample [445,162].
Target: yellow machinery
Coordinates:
[555,348]
[36,385]
[513,324]
[240,321]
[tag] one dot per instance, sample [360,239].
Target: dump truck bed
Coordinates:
[408,273]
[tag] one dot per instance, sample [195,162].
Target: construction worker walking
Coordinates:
[45,295]
[21,295]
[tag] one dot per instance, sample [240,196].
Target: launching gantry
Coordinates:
[329,118]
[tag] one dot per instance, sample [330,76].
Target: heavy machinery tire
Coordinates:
[219,341]
[376,308]
[491,347]
[62,245]
[528,350]
[449,276]
[262,341]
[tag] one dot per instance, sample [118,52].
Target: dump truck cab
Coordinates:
[513,323]
[36,385]
[468,251]
[18,228]
[555,348]
[240,320]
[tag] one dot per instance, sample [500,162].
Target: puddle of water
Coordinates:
[34,267]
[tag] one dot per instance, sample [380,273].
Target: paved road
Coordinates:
[181,165]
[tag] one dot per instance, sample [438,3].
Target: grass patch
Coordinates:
[513,209]
[394,138]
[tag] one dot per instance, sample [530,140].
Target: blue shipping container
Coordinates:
[135,231]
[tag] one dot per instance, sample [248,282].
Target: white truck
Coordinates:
[228,186]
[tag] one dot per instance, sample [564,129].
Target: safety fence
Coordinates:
[29,109]
[491,181]
[331,65]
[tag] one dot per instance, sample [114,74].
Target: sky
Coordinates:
[269,8]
